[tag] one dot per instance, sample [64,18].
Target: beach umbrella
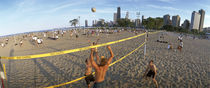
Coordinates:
[93,9]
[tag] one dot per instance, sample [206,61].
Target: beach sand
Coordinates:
[186,69]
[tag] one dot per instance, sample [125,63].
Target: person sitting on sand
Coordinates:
[56,37]
[170,46]
[151,71]
[77,35]
[39,41]
[88,73]
[179,38]
[101,68]
[2,45]
[21,43]
[180,46]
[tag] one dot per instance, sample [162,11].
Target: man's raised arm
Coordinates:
[92,60]
[111,55]
[97,57]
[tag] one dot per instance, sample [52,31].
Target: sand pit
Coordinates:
[188,68]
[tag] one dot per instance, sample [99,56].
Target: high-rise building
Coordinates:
[93,23]
[202,13]
[127,15]
[86,23]
[118,13]
[137,22]
[176,21]
[186,24]
[195,20]
[115,18]
[166,19]
[142,18]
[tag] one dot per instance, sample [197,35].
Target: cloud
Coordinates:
[63,6]
[207,16]
[206,21]
[163,7]
[167,1]
[169,8]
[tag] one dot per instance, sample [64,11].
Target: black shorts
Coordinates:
[151,74]
[89,79]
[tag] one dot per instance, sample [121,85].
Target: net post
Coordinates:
[145,45]
[2,75]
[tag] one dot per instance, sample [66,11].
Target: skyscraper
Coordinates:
[186,24]
[142,18]
[176,21]
[115,18]
[195,20]
[93,23]
[86,23]
[127,15]
[137,22]
[118,13]
[202,13]
[166,19]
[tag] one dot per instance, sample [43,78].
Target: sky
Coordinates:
[18,16]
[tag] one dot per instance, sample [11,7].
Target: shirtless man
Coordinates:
[88,73]
[101,68]
[151,71]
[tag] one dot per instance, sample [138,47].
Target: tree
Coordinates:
[101,23]
[74,22]
[153,23]
[125,23]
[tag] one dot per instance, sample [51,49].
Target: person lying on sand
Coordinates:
[151,72]
[88,73]
[101,68]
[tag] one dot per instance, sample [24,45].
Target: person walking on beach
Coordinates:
[88,73]
[101,68]
[151,71]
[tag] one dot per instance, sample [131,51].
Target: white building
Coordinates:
[115,18]
[127,15]
[195,20]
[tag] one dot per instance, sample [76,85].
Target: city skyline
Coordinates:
[19,16]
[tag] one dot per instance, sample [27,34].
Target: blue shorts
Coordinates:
[99,84]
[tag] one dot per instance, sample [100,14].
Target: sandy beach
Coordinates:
[186,69]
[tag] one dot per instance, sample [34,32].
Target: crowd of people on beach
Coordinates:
[100,65]
[180,44]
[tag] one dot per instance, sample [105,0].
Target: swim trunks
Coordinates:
[151,74]
[89,79]
[99,84]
